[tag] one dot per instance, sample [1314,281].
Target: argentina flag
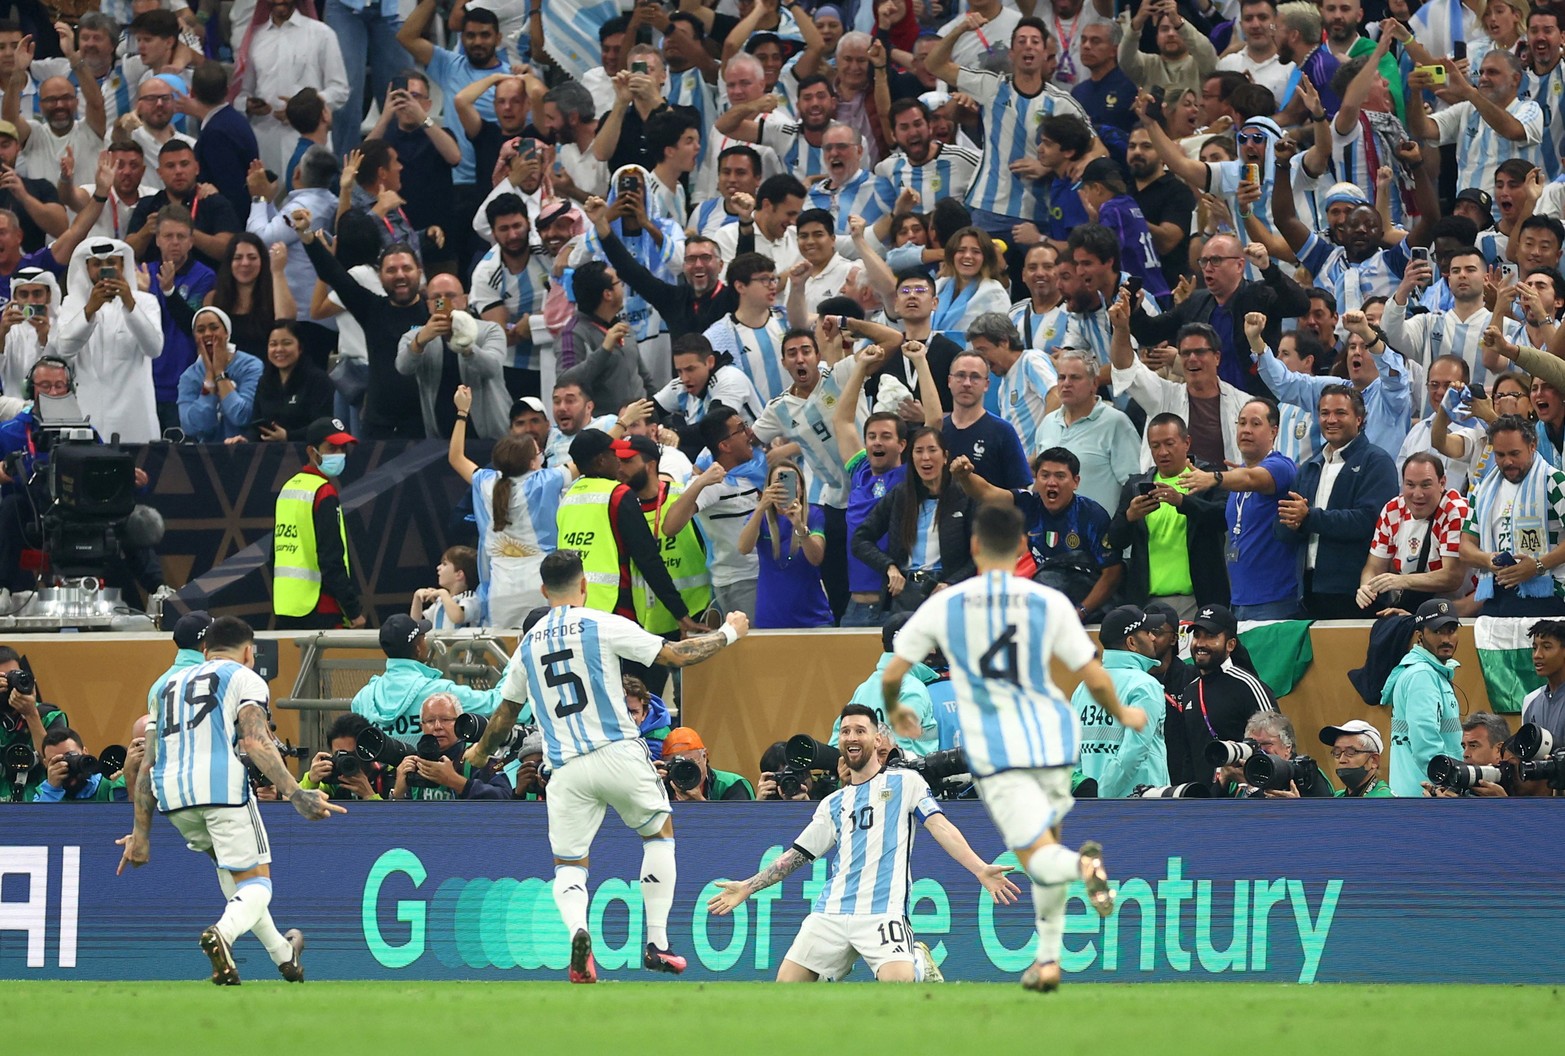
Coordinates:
[571,29]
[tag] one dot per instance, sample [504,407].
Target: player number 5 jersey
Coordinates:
[197,716]
[871,825]
[568,667]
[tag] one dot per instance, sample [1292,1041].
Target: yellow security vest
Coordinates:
[583,525]
[296,567]
[685,558]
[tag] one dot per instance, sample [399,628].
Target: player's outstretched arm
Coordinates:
[993,877]
[495,734]
[1101,686]
[705,646]
[137,844]
[891,689]
[255,737]
[736,891]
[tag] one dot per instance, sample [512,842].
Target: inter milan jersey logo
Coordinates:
[1072,541]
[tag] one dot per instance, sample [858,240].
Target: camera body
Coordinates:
[1268,772]
[345,765]
[684,774]
[1447,772]
[814,760]
[1550,769]
[947,773]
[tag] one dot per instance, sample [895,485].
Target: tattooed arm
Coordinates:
[255,738]
[495,734]
[705,646]
[137,846]
[736,891]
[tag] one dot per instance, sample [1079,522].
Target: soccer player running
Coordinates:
[862,911]
[205,717]
[1020,734]
[568,665]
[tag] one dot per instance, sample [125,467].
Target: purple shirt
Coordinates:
[789,592]
[865,488]
[1138,256]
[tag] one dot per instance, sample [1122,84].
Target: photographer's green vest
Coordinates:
[14,731]
[583,525]
[296,568]
[722,783]
[685,558]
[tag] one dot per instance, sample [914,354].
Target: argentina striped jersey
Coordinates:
[1011,122]
[871,827]
[948,174]
[755,350]
[197,729]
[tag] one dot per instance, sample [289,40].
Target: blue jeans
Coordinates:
[1271,610]
[370,37]
[863,614]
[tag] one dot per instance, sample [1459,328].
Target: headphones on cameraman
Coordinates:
[48,361]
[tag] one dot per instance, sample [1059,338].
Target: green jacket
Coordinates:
[53,719]
[913,694]
[720,784]
[1116,757]
[183,658]
[1377,789]
[1426,718]
[394,700]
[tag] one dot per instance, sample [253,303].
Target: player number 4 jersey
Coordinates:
[197,714]
[871,825]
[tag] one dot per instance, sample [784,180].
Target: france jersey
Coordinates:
[1011,122]
[807,421]
[522,295]
[871,826]
[999,634]
[568,668]
[948,174]
[1024,391]
[197,729]
[755,350]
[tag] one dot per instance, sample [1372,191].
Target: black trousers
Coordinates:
[834,570]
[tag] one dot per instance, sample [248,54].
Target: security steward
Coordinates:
[311,585]
[684,555]
[603,520]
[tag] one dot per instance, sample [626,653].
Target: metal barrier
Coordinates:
[327,684]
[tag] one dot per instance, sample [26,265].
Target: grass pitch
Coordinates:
[735,1019]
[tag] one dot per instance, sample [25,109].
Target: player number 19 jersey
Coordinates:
[197,715]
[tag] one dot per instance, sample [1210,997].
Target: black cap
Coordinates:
[1163,609]
[191,628]
[588,445]
[328,431]
[398,635]
[631,446]
[1435,614]
[1101,170]
[1118,625]
[1216,618]
[1483,200]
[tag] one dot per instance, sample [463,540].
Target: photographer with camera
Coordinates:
[1490,768]
[648,712]
[776,771]
[339,772]
[436,770]
[690,777]
[1356,748]
[532,772]
[73,776]
[24,720]
[1426,718]
[392,701]
[1270,737]
[1545,706]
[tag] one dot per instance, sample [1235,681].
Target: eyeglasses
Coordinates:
[1340,754]
[743,430]
[157,100]
[912,291]
[830,147]
[1250,137]
[1212,262]
[970,378]
[769,280]
[1204,351]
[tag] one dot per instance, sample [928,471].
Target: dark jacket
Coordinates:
[1204,537]
[1276,296]
[885,519]
[678,304]
[224,150]
[307,395]
[486,783]
[942,351]
[611,377]
[1346,526]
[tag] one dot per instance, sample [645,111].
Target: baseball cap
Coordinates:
[588,445]
[1118,625]
[1329,734]
[528,403]
[682,739]
[191,628]
[631,446]
[1483,200]
[398,634]
[1435,614]
[1163,609]
[8,129]
[1351,193]
[328,431]
[1100,170]
[1216,618]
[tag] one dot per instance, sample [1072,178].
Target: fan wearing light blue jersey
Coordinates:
[205,717]
[1027,377]
[862,911]
[1488,124]
[567,665]
[1042,318]
[930,169]
[1021,737]
[752,333]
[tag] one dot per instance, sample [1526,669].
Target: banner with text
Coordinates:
[1374,891]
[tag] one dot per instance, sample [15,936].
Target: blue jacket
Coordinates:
[191,284]
[393,701]
[1426,719]
[209,420]
[656,727]
[224,150]
[1346,526]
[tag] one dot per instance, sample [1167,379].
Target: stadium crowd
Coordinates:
[1251,310]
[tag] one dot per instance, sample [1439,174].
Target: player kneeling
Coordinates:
[862,912]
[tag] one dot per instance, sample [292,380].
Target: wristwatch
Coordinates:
[429,122]
[222,375]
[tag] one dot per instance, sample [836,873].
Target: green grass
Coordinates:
[735,1019]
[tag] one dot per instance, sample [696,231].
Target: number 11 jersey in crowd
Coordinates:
[568,666]
[197,717]
[999,632]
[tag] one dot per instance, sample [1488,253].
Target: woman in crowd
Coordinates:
[927,521]
[251,289]
[791,535]
[515,503]
[972,281]
[293,391]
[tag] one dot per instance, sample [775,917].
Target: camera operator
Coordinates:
[391,702]
[532,773]
[1223,696]
[446,776]
[1484,739]
[648,712]
[23,718]
[1272,732]
[1356,748]
[71,775]
[367,780]
[683,743]
[773,762]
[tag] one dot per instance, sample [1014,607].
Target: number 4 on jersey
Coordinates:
[999,660]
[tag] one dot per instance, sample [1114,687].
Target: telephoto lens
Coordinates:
[1229,753]
[683,773]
